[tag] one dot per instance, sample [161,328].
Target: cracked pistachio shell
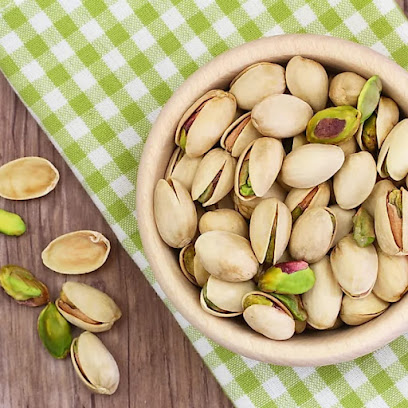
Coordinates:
[87,307]
[224,299]
[214,178]
[308,80]
[345,88]
[226,256]
[224,220]
[182,168]
[281,116]
[269,230]
[256,82]
[11,224]
[380,188]
[323,301]
[202,125]
[27,178]
[265,314]
[369,97]
[387,118]
[355,268]
[94,364]
[358,311]
[354,182]
[311,164]
[257,168]
[349,147]
[239,135]
[76,252]
[191,266]
[313,234]
[344,222]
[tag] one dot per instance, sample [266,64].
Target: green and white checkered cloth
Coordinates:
[96,73]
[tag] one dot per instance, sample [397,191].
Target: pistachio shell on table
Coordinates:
[76,252]
[281,116]
[349,147]
[311,164]
[345,88]
[369,97]
[224,220]
[387,118]
[192,267]
[27,178]
[307,79]
[344,222]
[256,82]
[380,188]
[202,125]
[363,230]
[11,224]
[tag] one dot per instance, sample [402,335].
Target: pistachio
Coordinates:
[22,286]
[349,147]
[387,118]
[294,304]
[363,231]
[186,260]
[369,97]
[345,88]
[369,135]
[380,188]
[11,224]
[224,220]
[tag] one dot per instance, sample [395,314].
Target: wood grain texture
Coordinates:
[158,365]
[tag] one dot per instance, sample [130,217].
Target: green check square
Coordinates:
[360,4]
[117,34]
[247,381]
[330,374]
[351,401]
[146,14]
[223,354]
[188,69]
[140,64]
[88,55]
[169,43]
[118,210]
[74,153]
[30,95]
[96,182]
[300,393]
[228,6]
[125,162]
[279,11]
[36,46]
[66,26]
[103,133]
[381,27]
[58,75]
[52,123]
[110,84]
[401,55]
[80,104]
[132,113]
[218,48]
[95,7]
[44,3]
[330,19]
[198,23]
[135,237]
[250,31]
[8,66]
[161,93]
[14,18]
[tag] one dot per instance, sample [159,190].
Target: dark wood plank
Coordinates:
[158,365]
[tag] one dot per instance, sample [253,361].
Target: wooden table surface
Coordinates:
[159,367]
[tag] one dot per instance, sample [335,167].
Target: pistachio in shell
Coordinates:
[380,188]
[76,252]
[387,118]
[224,219]
[367,135]
[191,266]
[369,97]
[94,364]
[22,286]
[27,178]
[345,88]
[11,224]
[344,222]
[363,228]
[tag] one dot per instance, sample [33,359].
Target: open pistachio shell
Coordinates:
[11,224]
[355,268]
[205,121]
[281,116]
[224,220]
[311,164]
[257,168]
[256,82]
[87,307]
[380,188]
[307,79]
[349,147]
[27,178]
[214,178]
[354,182]
[358,311]
[387,118]
[269,230]
[369,97]
[323,301]
[192,267]
[345,88]
[226,256]
[94,364]
[76,252]
[363,229]
[344,222]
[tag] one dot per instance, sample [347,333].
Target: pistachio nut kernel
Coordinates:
[11,224]
[294,305]
[22,286]
[54,331]
[369,135]
[363,228]
[369,97]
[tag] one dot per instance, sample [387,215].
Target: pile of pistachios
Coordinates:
[74,253]
[286,197]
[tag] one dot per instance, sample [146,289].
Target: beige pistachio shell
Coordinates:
[380,188]
[224,220]
[307,79]
[239,135]
[354,182]
[216,115]
[256,82]
[94,364]
[311,164]
[92,303]
[298,140]
[312,234]
[320,199]
[189,252]
[209,310]
[226,256]
[285,257]
[300,327]
[323,301]
[358,311]
[27,178]
[76,252]
[281,116]
[387,118]
[349,147]
[344,222]
[345,88]
[266,213]
[355,268]
[214,161]
[175,213]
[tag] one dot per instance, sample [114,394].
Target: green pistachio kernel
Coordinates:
[188,258]
[256,300]
[183,139]
[11,224]
[395,198]
[245,186]
[369,97]
[294,305]
[363,228]
[369,136]
[271,247]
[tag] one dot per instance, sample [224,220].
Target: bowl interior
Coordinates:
[310,348]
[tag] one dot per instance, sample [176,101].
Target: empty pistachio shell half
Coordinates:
[22,286]
[311,164]
[344,222]
[358,311]
[256,82]
[27,178]
[281,116]
[369,97]
[76,252]
[11,224]
[355,268]
[202,125]
[380,188]
[226,256]
[345,88]
[87,307]
[54,331]
[94,364]
[214,178]
[224,220]
[191,266]
[387,118]
[363,231]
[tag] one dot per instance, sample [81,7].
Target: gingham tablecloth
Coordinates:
[95,74]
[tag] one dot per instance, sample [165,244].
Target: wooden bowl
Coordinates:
[312,348]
